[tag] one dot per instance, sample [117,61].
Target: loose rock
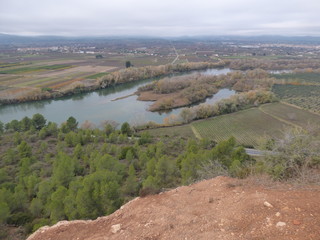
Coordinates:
[296,222]
[115,228]
[280,224]
[266,204]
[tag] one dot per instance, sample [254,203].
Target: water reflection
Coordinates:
[78,97]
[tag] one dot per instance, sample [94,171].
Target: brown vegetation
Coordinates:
[233,104]
[180,91]
[134,74]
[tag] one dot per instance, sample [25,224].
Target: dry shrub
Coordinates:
[211,169]
[148,191]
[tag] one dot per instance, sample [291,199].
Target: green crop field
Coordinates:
[296,116]
[8,65]
[97,75]
[305,77]
[246,126]
[35,69]
[305,96]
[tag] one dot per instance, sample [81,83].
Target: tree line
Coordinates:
[235,103]
[134,73]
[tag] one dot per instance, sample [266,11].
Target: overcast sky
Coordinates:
[160,17]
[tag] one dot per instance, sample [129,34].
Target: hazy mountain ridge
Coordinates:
[22,39]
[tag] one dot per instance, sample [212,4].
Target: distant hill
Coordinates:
[45,40]
[24,40]
[14,39]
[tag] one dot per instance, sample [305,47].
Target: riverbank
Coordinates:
[11,95]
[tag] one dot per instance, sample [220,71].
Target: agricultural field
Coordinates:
[7,65]
[35,69]
[97,75]
[247,126]
[291,114]
[304,96]
[23,75]
[141,61]
[299,78]
[19,81]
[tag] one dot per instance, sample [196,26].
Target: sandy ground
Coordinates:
[220,208]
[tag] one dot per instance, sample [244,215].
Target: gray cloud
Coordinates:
[161,18]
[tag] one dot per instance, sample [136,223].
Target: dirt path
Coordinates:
[280,119]
[195,132]
[177,57]
[220,208]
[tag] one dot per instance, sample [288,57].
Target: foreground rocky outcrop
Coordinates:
[220,208]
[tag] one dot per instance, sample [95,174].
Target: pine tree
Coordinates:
[36,207]
[63,170]
[56,205]
[24,150]
[72,124]
[126,129]
[4,212]
[164,172]
[189,167]
[38,121]
[1,128]
[131,184]
[70,201]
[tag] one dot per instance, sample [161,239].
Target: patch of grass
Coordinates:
[7,65]
[97,75]
[184,131]
[36,69]
[57,67]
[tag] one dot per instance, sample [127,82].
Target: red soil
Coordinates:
[221,208]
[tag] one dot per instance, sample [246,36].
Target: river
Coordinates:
[98,106]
